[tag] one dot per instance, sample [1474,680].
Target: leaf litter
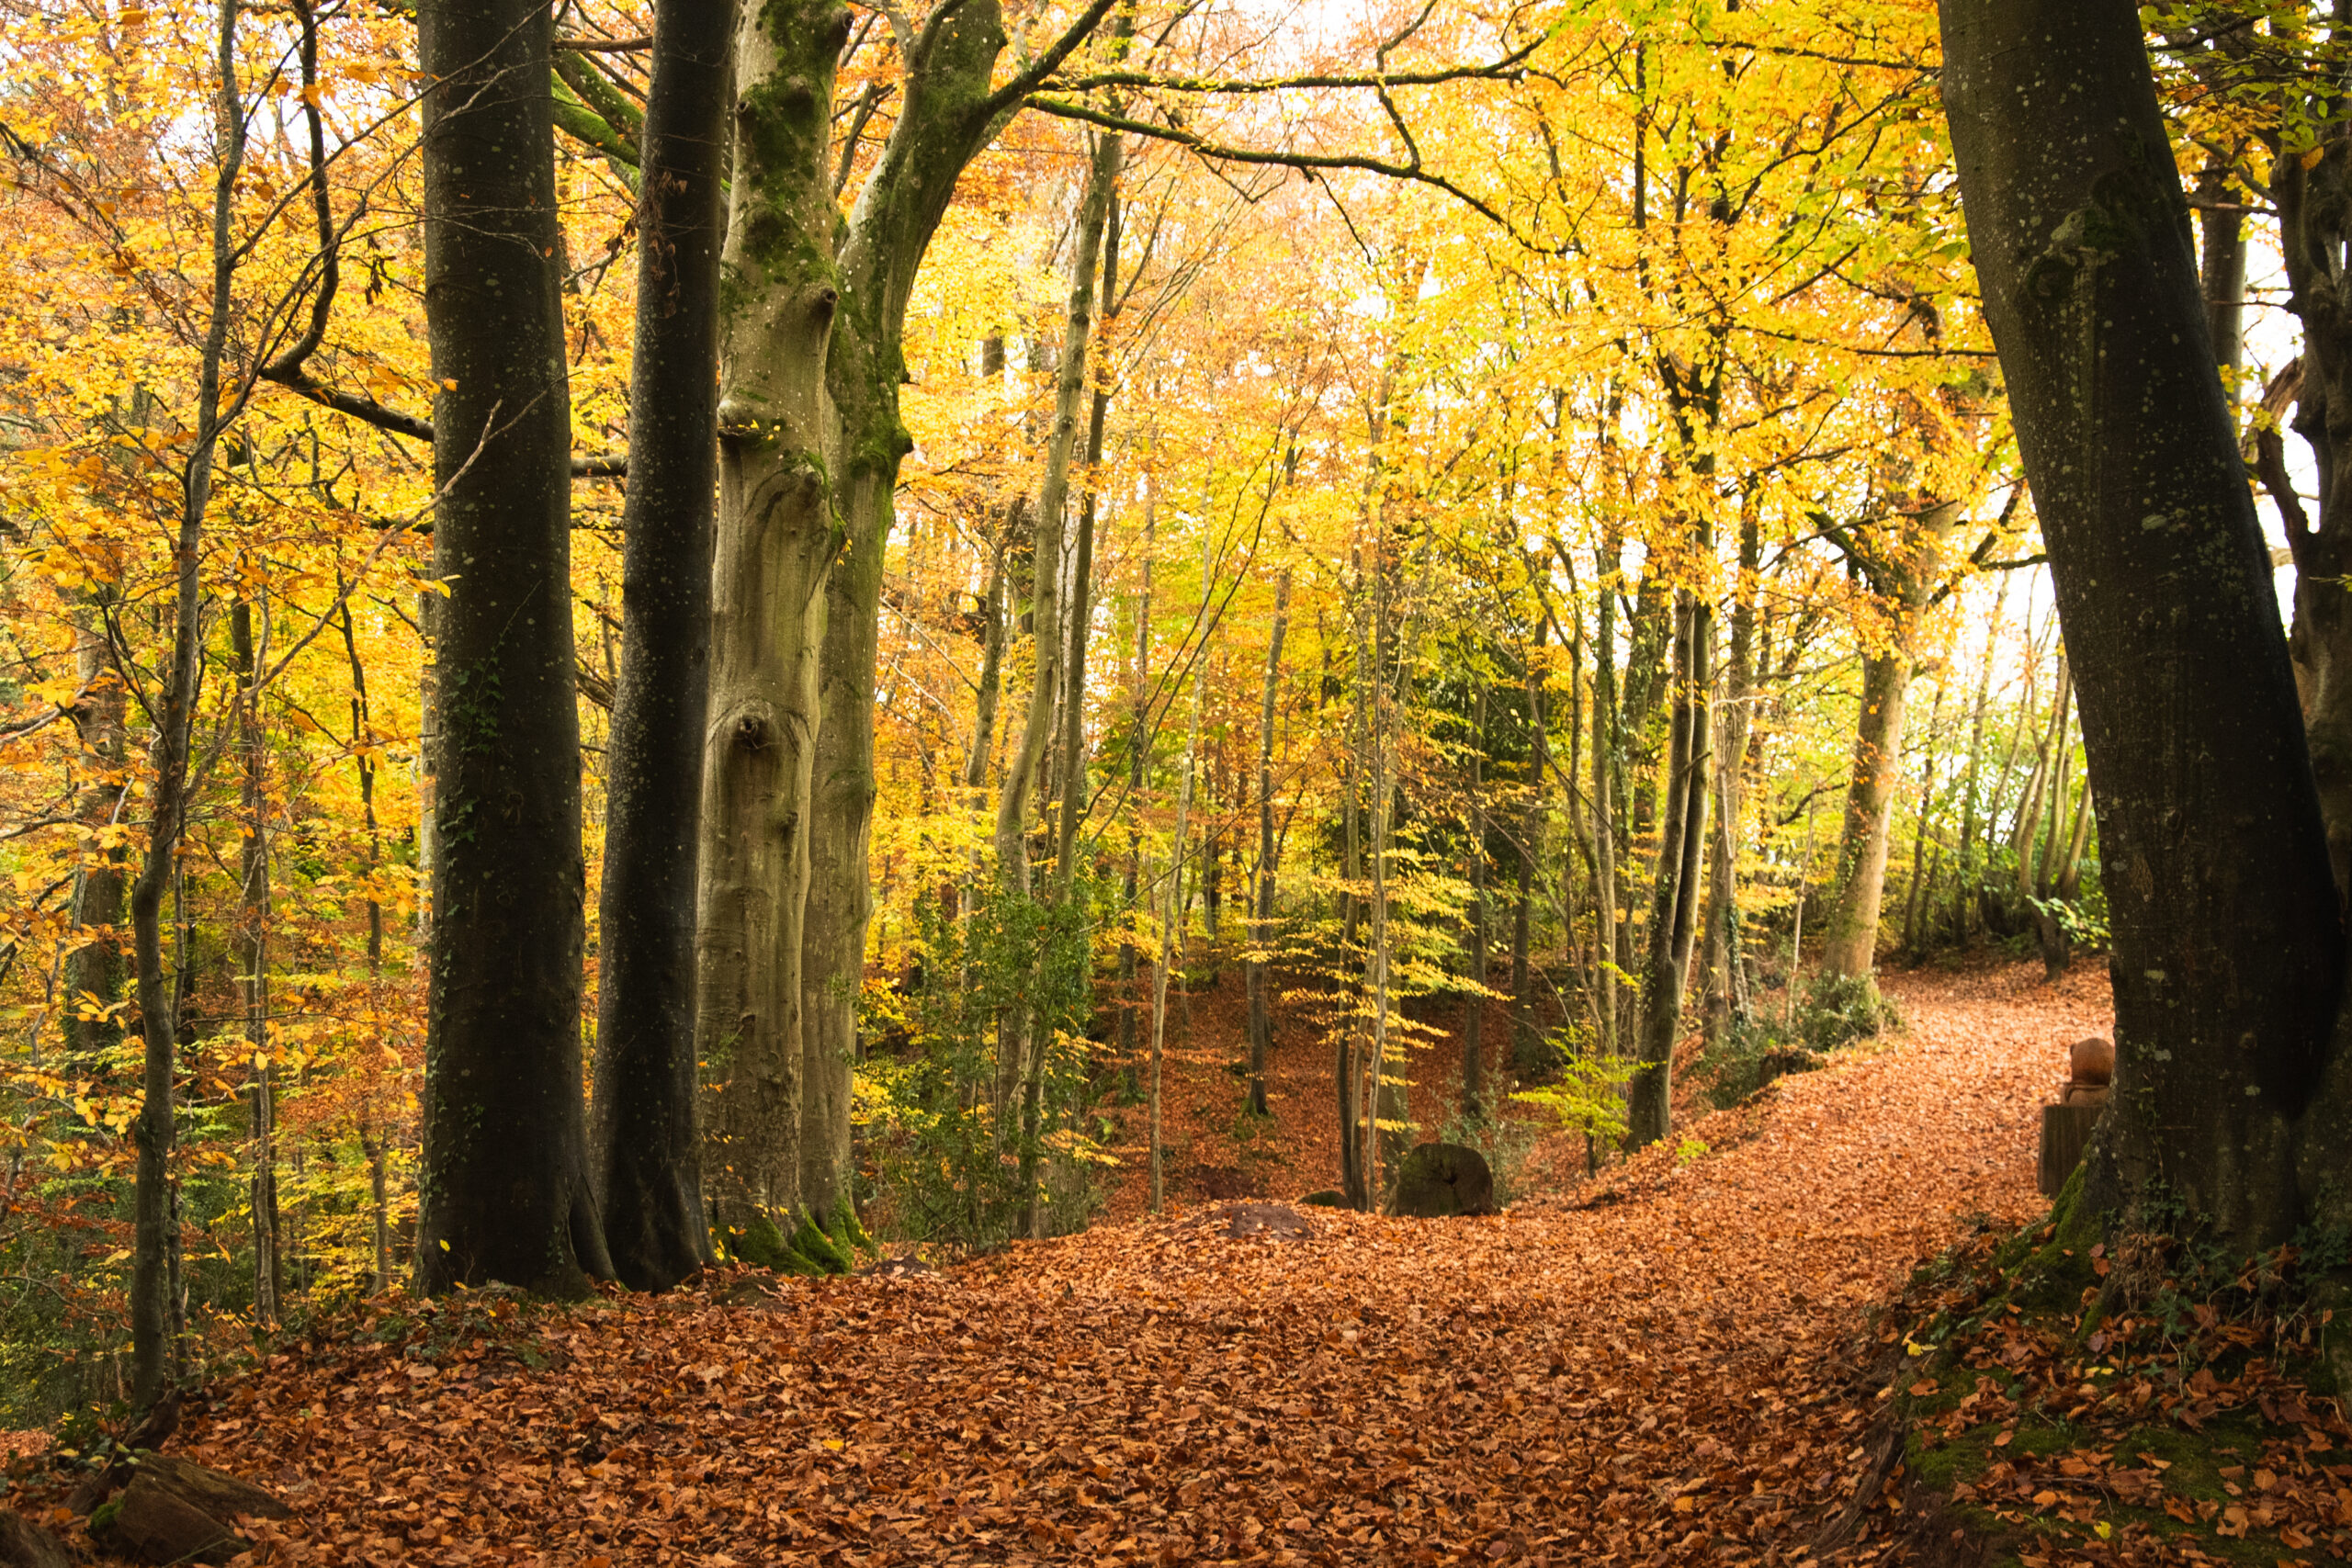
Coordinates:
[1667,1366]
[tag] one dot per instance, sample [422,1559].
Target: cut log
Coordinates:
[2065,1130]
[1443,1181]
[24,1544]
[215,1492]
[153,1523]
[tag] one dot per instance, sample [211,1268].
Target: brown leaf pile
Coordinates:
[1650,1374]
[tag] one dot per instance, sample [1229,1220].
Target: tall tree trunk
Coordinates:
[2221,271]
[154,1209]
[1849,941]
[647,1128]
[1139,723]
[2233,1092]
[1527,1052]
[505,1192]
[1675,892]
[1261,938]
[1917,886]
[1171,935]
[1354,1179]
[2035,805]
[372,1140]
[1608,900]
[1724,960]
[93,968]
[1057,631]
[1968,821]
[1474,1010]
[992,640]
[776,537]
[252,948]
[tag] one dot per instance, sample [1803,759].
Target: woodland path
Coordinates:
[1667,1374]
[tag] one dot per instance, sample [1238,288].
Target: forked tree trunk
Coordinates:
[777,535]
[950,109]
[647,1125]
[505,1192]
[2234,1091]
[1675,893]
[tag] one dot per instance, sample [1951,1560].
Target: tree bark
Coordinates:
[1608,900]
[1917,884]
[95,969]
[1260,969]
[2231,1092]
[1968,823]
[1473,1009]
[991,610]
[252,948]
[155,1207]
[1724,960]
[1674,893]
[648,1130]
[505,1193]
[1527,1053]
[950,109]
[778,531]
[1849,937]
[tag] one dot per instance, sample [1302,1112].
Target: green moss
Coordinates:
[812,1244]
[808,1253]
[848,1233]
[103,1519]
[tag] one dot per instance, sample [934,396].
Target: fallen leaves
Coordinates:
[1658,1379]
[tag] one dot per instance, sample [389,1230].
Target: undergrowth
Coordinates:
[1756,1049]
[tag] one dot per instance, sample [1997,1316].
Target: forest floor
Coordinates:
[1665,1365]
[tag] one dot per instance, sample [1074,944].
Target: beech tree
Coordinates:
[2233,1085]
[504,1188]
[647,1129]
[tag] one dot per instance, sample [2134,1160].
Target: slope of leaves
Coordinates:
[1665,1371]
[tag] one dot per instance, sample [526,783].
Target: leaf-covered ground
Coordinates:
[1659,1368]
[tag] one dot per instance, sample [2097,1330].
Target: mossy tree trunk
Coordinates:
[778,531]
[812,328]
[2234,1083]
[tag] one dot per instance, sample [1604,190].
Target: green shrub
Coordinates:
[1841,1009]
[1746,1057]
[945,1117]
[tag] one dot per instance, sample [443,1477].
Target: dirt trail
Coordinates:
[1656,1377]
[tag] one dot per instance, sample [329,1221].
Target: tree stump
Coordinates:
[1443,1181]
[2065,1130]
